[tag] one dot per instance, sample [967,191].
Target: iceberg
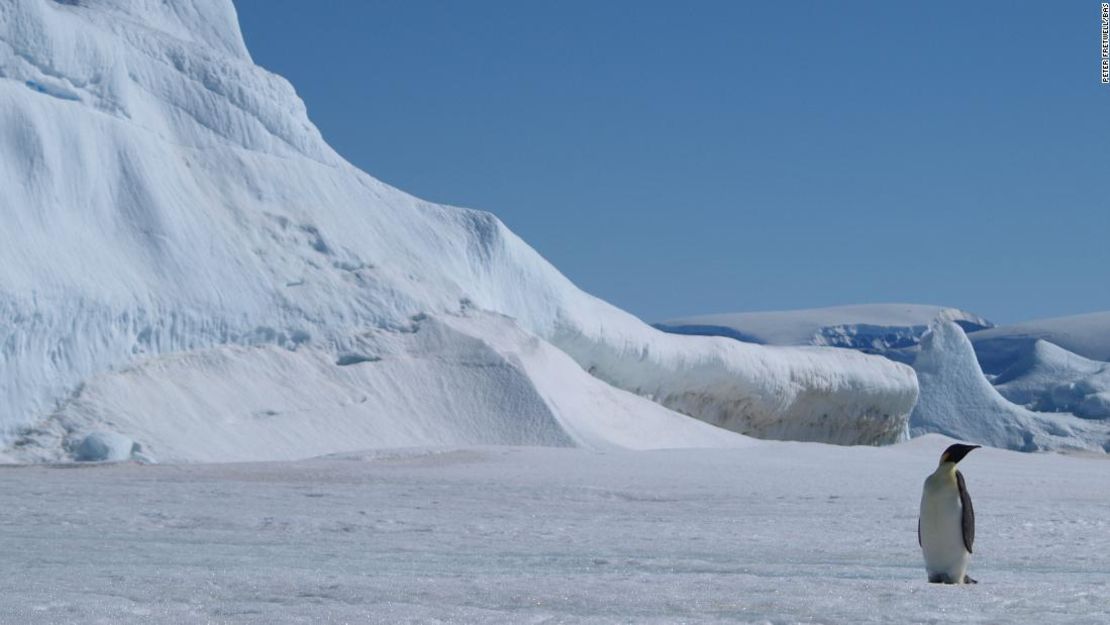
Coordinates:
[1049,378]
[1087,335]
[958,401]
[169,207]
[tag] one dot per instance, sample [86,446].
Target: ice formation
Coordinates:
[893,330]
[1087,335]
[169,207]
[958,401]
[1049,378]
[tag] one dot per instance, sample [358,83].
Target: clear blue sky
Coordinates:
[695,157]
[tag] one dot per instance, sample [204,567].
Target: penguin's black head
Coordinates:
[956,453]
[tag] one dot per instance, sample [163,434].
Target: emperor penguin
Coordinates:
[946,526]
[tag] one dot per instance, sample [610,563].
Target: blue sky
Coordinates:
[682,158]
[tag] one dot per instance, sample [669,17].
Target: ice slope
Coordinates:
[472,379]
[165,195]
[877,328]
[1049,378]
[1087,335]
[958,401]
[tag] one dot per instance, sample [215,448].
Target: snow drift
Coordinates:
[958,401]
[169,207]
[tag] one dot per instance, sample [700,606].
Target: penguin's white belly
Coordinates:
[942,538]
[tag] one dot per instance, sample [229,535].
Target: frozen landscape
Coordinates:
[775,533]
[242,381]
[1013,387]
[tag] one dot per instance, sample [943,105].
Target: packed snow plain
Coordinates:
[773,533]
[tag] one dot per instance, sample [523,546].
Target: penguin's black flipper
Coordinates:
[968,580]
[968,512]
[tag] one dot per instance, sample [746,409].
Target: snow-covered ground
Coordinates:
[777,533]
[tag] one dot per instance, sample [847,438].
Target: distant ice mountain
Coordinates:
[1049,378]
[1086,335]
[889,329]
[187,263]
[1064,398]
[958,401]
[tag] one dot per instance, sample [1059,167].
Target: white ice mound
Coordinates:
[1049,378]
[160,194]
[957,400]
[1087,335]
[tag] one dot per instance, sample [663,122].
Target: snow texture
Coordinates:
[170,207]
[957,400]
[776,533]
[888,329]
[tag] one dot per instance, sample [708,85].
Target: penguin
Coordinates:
[946,525]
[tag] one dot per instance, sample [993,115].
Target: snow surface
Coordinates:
[170,198]
[1087,335]
[877,328]
[777,533]
[957,400]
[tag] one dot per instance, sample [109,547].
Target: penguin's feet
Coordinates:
[944,578]
[940,578]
